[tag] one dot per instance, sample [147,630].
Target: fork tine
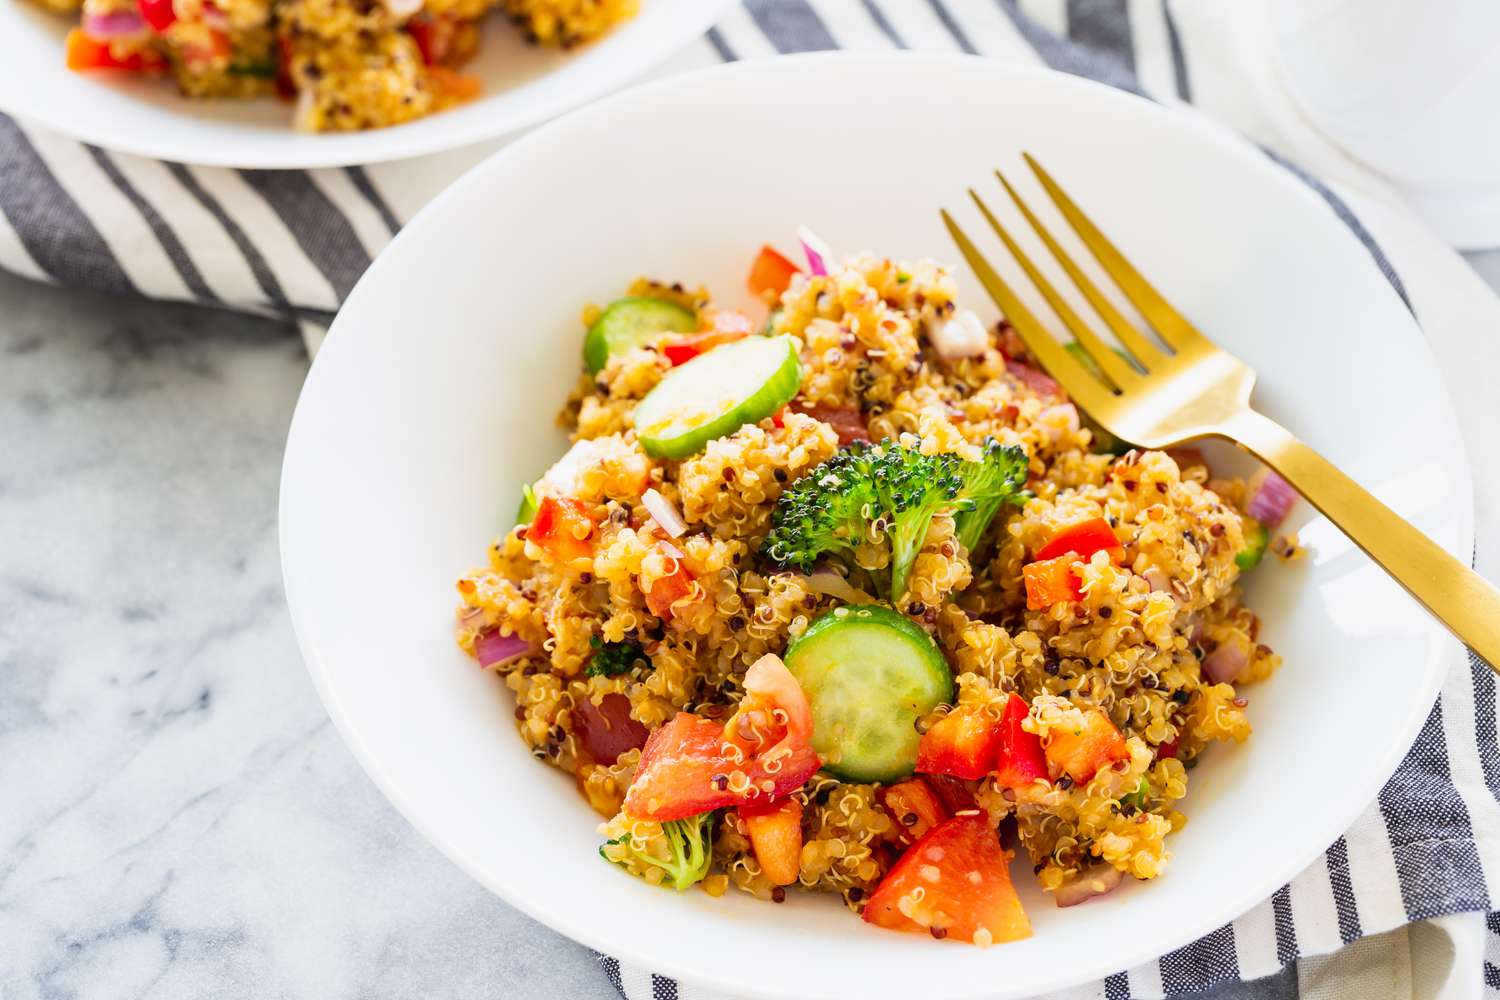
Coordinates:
[1169,323]
[1116,368]
[1092,394]
[1137,343]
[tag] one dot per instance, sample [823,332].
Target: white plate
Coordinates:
[523,84]
[427,410]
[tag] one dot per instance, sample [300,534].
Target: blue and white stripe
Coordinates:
[292,244]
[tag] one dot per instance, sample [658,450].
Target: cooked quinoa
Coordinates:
[346,65]
[686,612]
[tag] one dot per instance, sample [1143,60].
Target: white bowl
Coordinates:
[523,84]
[433,401]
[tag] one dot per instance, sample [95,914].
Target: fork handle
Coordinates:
[1460,598]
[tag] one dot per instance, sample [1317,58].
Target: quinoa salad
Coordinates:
[343,65]
[845,596]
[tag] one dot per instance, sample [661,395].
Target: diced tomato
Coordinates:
[955,793]
[440,38]
[775,832]
[774,710]
[914,807]
[666,591]
[778,419]
[770,274]
[1051,582]
[847,422]
[1037,381]
[451,87]
[684,771]
[1080,755]
[677,774]
[83,53]
[607,730]
[1083,540]
[563,529]
[1168,750]
[721,326]
[964,743]
[160,14]
[1021,759]
[953,883]
[286,87]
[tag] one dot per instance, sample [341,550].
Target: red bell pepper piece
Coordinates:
[914,807]
[770,274]
[83,53]
[1051,582]
[563,529]
[1080,755]
[1021,758]
[1083,540]
[160,14]
[964,743]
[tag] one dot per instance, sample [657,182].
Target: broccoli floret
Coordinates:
[999,477]
[825,512]
[612,658]
[868,491]
[687,843]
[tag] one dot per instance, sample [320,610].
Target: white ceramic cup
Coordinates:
[1411,88]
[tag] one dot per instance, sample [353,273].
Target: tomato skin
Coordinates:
[688,768]
[1168,750]
[667,590]
[607,730]
[769,686]
[964,878]
[563,529]
[83,53]
[1037,381]
[1051,582]
[955,794]
[160,14]
[770,274]
[1082,755]
[1083,540]
[723,326]
[1021,758]
[915,800]
[964,743]
[847,422]
[775,832]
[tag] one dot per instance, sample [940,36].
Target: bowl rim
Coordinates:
[293,150]
[1441,649]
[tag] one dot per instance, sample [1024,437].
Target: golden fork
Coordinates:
[1193,389]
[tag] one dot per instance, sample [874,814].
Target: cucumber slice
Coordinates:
[1256,539]
[869,674]
[717,393]
[629,323]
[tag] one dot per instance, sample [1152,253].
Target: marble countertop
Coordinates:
[178,817]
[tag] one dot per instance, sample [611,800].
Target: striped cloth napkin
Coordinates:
[292,244]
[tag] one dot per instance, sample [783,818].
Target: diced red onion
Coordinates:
[819,256]
[962,336]
[1226,662]
[1271,497]
[664,512]
[831,583]
[606,730]
[1090,882]
[403,8]
[468,617]
[120,24]
[847,422]
[493,649]
[673,551]
[1157,578]
[216,18]
[1195,628]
